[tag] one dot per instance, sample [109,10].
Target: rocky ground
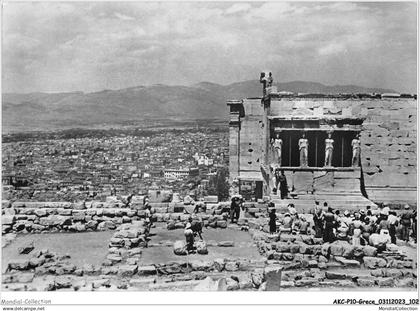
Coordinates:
[134,256]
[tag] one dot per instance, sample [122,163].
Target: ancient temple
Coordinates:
[356,148]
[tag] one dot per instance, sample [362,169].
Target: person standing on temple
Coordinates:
[406,218]
[329,147]
[277,144]
[355,144]
[303,150]
[284,190]
[280,184]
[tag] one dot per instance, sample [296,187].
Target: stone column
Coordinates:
[234,143]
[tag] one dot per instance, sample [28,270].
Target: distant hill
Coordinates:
[205,100]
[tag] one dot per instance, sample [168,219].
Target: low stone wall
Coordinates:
[38,217]
[63,216]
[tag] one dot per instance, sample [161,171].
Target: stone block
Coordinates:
[335,275]
[127,270]
[101,283]
[198,265]
[146,270]
[7,219]
[366,282]
[180,248]
[19,264]
[306,282]
[272,276]
[40,212]
[374,262]
[342,248]
[226,244]
[386,282]
[231,266]
[63,281]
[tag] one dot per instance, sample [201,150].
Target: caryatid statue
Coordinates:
[329,148]
[277,144]
[355,144]
[303,150]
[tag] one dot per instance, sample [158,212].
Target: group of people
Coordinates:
[291,222]
[363,227]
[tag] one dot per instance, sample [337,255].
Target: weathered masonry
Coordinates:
[386,169]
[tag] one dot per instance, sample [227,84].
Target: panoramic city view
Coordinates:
[217,148]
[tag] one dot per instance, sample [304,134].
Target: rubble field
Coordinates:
[75,252]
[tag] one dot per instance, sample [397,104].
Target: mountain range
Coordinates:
[205,100]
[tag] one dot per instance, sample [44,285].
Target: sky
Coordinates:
[91,46]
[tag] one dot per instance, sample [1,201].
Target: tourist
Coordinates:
[383,223]
[284,190]
[147,213]
[189,237]
[318,219]
[342,231]
[272,222]
[329,225]
[235,208]
[296,223]
[197,226]
[367,230]
[287,221]
[362,215]
[346,218]
[414,228]
[357,232]
[292,210]
[406,224]
[393,224]
[279,180]
[199,207]
[304,225]
[313,209]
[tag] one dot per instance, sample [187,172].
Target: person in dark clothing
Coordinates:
[406,217]
[284,190]
[196,226]
[272,221]
[329,225]
[415,226]
[393,224]
[235,209]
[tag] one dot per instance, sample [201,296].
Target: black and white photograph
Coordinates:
[210,146]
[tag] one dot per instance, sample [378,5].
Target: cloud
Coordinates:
[54,46]
[238,8]
[124,17]
[332,48]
